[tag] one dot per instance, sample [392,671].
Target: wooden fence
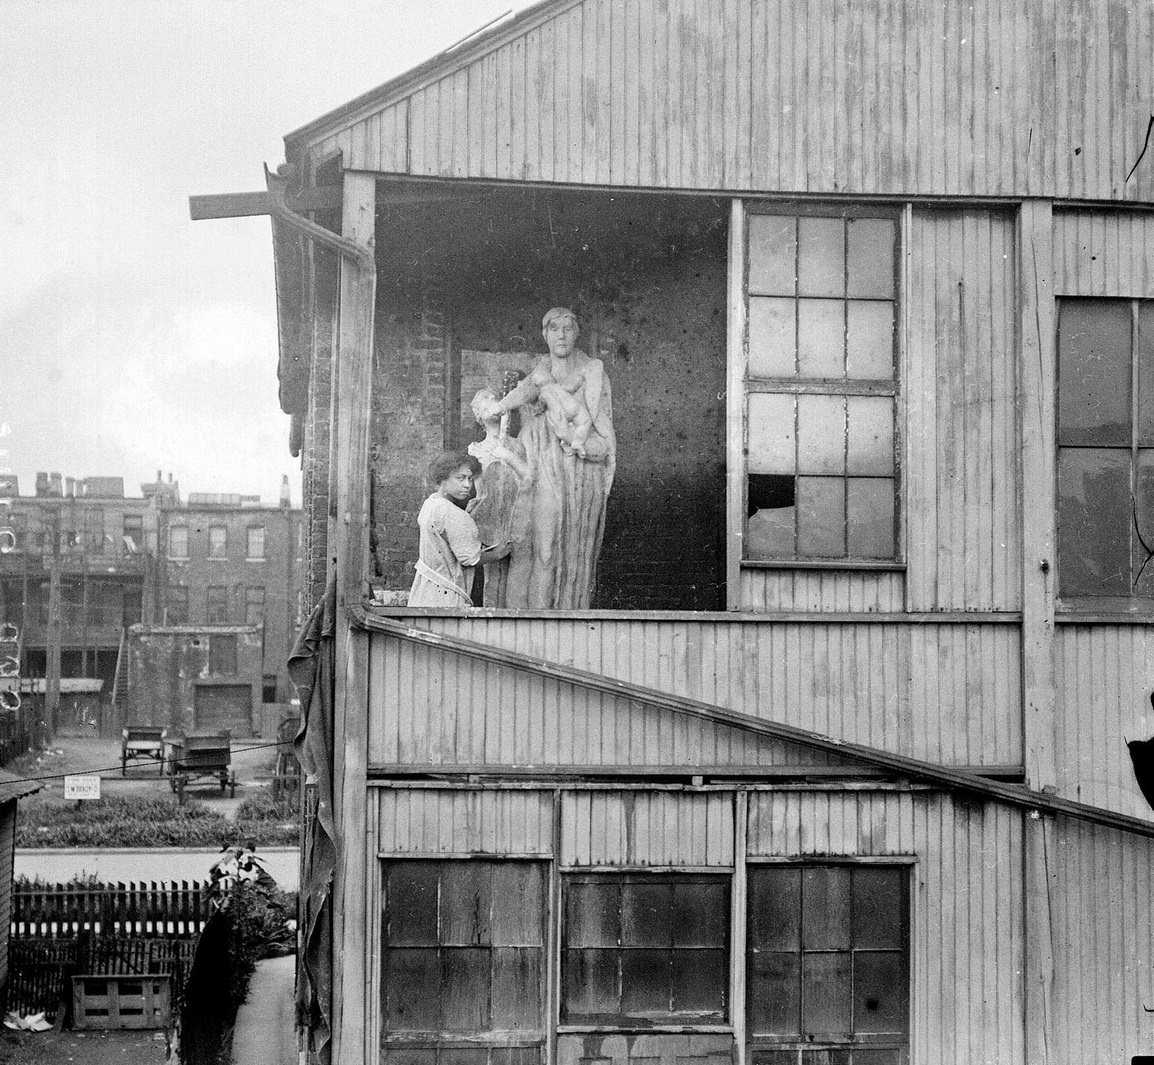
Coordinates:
[58,931]
[155,910]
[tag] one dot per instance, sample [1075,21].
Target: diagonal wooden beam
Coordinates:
[958,780]
[254,204]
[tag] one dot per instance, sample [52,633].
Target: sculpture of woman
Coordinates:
[567,431]
[450,546]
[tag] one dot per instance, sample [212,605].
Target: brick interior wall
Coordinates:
[646,275]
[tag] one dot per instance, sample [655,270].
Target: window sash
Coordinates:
[217,541]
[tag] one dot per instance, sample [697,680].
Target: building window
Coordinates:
[217,541]
[268,688]
[254,605]
[254,548]
[176,606]
[1106,451]
[821,388]
[828,958]
[463,959]
[217,605]
[178,541]
[222,654]
[94,529]
[133,533]
[132,604]
[644,949]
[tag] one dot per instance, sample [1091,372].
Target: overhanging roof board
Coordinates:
[14,787]
[873,97]
[956,780]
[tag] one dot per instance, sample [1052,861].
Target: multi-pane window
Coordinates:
[254,546]
[176,606]
[217,541]
[828,962]
[222,654]
[217,605]
[94,529]
[178,541]
[133,533]
[254,605]
[1106,451]
[821,388]
[463,967]
[645,948]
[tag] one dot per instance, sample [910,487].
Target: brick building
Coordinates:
[151,560]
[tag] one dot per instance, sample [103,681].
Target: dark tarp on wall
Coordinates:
[311,668]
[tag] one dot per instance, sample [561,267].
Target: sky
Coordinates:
[131,338]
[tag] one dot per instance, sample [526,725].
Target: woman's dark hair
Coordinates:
[448,461]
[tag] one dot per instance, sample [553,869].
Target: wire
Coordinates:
[12,778]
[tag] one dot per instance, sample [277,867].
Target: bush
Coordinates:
[140,822]
[259,807]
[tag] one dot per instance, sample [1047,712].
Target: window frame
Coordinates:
[742,385]
[211,600]
[212,554]
[248,538]
[902,865]
[222,654]
[719,1020]
[1082,602]
[250,602]
[176,600]
[172,553]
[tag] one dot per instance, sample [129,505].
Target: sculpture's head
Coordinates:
[453,472]
[481,402]
[560,329]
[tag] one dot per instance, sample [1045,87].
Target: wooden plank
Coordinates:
[1039,854]
[1037,370]
[735,406]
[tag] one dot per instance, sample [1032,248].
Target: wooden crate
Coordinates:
[121,1000]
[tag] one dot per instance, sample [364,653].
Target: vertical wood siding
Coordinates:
[816,590]
[959,379]
[946,693]
[885,96]
[1106,674]
[658,828]
[421,821]
[1101,883]
[967,947]
[7,842]
[1104,253]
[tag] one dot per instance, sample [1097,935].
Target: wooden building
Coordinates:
[834,768]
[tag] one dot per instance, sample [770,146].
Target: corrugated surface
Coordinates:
[883,96]
[663,828]
[830,591]
[946,693]
[1104,253]
[967,904]
[960,383]
[425,821]
[1106,674]
[1101,886]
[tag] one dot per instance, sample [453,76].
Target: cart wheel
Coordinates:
[231,784]
[124,765]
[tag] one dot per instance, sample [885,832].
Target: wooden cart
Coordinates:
[196,758]
[141,741]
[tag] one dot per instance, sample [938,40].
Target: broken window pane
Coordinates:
[870,340]
[870,269]
[1094,521]
[772,337]
[772,254]
[821,517]
[1094,372]
[821,338]
[821,257]
[771,434]
[870,517]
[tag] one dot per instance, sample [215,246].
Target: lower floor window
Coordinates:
[463,962]
[828,962]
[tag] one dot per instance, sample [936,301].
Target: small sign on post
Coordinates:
[82,787]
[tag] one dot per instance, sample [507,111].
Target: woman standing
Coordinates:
[450,546]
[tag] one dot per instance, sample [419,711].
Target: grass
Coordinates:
[145,822]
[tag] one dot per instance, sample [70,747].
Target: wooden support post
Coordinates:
[352,382]
[52,663]
[1037,383]
[735,407]
[739,905]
